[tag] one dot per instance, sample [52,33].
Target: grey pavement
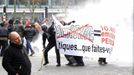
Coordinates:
[90,68]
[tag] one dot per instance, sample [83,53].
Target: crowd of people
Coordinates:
[15,44]
[26,32]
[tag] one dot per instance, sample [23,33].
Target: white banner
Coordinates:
[85,40]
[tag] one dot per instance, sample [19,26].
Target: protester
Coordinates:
[3,37]
[15,59]
[37,27]
[50,35]
[29,33]
[10,26]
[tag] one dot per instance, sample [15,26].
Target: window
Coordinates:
[26,2]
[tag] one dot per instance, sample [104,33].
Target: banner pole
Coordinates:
[41,65]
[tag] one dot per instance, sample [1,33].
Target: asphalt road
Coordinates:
[90,68]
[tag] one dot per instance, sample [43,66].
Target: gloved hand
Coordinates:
[73,21]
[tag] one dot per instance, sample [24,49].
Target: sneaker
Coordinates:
[32,53]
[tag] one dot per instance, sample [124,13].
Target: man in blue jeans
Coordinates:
[29,34]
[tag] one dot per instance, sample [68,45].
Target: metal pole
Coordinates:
[46,12]
[23,18]
[33,8]
[4,17]
[14,10]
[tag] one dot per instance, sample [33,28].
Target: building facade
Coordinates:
[36,8]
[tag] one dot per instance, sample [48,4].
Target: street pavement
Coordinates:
[91,68]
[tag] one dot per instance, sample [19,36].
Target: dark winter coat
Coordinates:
[29,32]
[15,60]
[49,33]
[3,33]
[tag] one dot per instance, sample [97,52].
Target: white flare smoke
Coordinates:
[118,13]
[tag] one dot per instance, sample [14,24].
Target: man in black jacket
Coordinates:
[49,34]
[15,59]
[3,37]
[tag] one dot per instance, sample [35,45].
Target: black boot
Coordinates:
[105,61]
[102,61]
[46,63]
[58,65]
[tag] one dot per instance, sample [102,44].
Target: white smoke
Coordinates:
[118,13]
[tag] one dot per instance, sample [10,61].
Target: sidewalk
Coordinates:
[90,68]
